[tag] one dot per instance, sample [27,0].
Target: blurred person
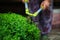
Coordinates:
[44,18]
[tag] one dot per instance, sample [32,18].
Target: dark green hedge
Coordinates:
[15,27]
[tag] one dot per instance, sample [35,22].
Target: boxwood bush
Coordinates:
[16,27]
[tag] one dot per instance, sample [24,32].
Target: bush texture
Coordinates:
[16,27]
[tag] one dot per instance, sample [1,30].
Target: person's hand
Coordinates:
[25,1]
[45,4]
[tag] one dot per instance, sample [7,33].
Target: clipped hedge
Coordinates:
[15,27]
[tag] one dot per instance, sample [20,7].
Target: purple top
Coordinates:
[44,20]
[34,5]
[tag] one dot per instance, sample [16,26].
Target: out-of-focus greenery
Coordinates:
[16,27]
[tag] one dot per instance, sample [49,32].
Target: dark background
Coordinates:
[14,6]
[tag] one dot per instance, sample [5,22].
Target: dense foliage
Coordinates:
[16,27]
